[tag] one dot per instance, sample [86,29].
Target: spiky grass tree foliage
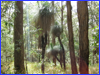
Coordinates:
[43,20]
[56,30]
[44,17]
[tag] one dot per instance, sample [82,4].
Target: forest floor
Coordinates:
[35,68]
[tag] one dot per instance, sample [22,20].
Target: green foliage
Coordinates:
[45,4]
[95,37]
[7,48]
[93,13]
[5,6]
[51,46]
[96,33]
[7,45]
[7,22]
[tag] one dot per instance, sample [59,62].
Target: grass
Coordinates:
[35,68]
[94,69]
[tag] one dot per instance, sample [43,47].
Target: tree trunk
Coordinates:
[44,43]
[53,37]
[18,40]
[93,57]
[63,53]
[71,41]
[62,13]
[82,10]
[28,36]
[39,42]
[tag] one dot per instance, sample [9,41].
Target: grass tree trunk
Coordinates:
[71,41]
[82,10]
[18,40]
[63,53]
[44,43]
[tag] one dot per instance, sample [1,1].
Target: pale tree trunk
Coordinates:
[71,41]
[28,35]
[82,10]
[18,40]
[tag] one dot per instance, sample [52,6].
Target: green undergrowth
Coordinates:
[35,68]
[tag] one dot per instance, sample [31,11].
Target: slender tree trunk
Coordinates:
[53,37]
[28,36]
[93,57]
[39,42]
[18,40]
[62,13]
[71,41]
[44,43]
[82,10]
[38,4]
[63,53]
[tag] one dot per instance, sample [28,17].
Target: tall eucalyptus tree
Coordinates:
[82,9]
[18,39]
[71,41]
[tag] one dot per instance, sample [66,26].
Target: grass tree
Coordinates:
[43,21]
[57,30]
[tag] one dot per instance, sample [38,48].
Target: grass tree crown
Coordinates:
[44,17]
[56,30]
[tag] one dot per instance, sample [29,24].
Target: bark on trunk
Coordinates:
[18,40]
[71,41]
[82,10]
